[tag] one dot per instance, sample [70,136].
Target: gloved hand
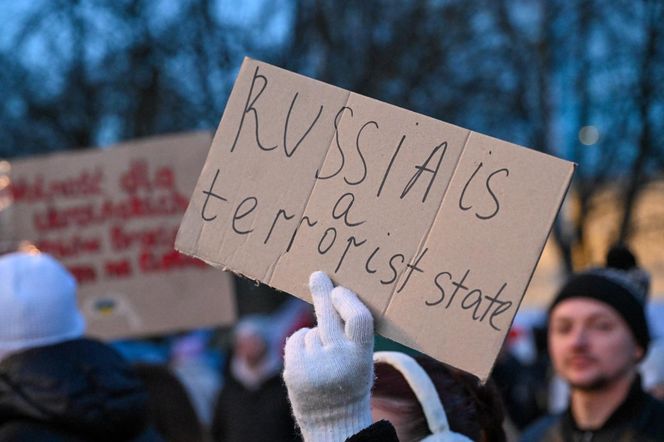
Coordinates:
[328,370]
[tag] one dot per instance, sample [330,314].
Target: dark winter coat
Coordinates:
[75,391]
[262,414]
[381,431]
[639,418]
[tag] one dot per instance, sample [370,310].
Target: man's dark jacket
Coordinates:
[640,417]
[75,391]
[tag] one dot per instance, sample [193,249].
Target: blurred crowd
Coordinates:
[588,369]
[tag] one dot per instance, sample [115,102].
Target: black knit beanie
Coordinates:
[618,286]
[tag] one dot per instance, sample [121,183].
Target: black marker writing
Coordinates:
[324,250]
[337,118]
[344,213]
[412,268]
[493,195]
[283,213]
[351,241]
[394,270]
[253,202]
[389,167]
[249,107]
[359,152]
[290,109]
[423,168]
[473,299]
[208,193]
[495,211]
[366,265]
[297,229]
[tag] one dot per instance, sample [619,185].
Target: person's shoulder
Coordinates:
[538,430]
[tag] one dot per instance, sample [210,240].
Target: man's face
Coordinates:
[590,344]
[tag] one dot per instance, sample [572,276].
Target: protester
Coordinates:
[170,408]
[253,404]
[55,385]
[597,336]
[329,372]
[197,368]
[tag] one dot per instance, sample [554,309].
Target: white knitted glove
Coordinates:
[328,370]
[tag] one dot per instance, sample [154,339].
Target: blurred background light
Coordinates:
[588,135]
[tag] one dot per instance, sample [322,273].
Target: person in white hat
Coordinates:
[38,303]
[329,372]
[55,384]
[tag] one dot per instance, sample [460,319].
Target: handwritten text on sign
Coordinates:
[111,217]
[92,223]
[437,228]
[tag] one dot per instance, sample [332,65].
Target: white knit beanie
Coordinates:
[37,303]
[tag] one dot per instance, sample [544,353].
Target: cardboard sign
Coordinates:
[111,215]
[437,228]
